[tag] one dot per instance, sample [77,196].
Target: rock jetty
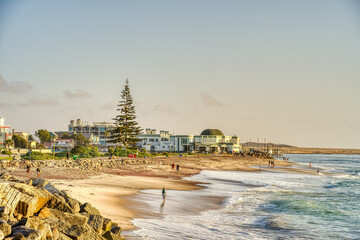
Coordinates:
[37,210]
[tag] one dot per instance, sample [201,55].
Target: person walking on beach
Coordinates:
[173,166]
[38,171]
[163,193]
[28,170]
[318,171]
[177,167]
[67,155]
[310,165]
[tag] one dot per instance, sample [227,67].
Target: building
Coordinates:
[209,141]
[64,144]
[24,135]
[5,133]
[97,133]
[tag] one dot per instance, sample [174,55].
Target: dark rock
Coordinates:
[116,229]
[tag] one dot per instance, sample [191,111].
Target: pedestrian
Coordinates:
[177,167]
[318,171]
[163,193]
[38,171]
[173,166]
[67,155]
[28,170]
[310,165]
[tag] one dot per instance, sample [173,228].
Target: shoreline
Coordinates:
[115,191]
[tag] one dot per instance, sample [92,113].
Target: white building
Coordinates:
[210,140]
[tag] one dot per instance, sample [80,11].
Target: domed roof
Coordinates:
[212,132]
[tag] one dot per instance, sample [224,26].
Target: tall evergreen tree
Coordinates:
[127,128]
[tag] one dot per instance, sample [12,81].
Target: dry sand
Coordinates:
[112,190]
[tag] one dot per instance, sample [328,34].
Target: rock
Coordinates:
[63,237]
[31,199]
[77,232]
[2,235]
[96,222]
[38,182]
[55,232]
[19,236]
[29,233]
[111,236]
[5,228]
[116,229]
[107,224]
[9,197]
[74,204]
[44,213]
[48,232]
[56,203]
[87,207]
[73,219]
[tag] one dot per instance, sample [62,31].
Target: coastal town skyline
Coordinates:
[282,71]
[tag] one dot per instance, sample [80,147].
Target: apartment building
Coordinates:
[95,132]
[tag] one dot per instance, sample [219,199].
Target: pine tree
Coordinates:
[127,130]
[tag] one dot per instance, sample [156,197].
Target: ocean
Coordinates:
[268,204]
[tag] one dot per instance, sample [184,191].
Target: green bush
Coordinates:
[6,152]
[61,154]
[37,156]
[85,152]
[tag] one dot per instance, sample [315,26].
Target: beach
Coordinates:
[113,191]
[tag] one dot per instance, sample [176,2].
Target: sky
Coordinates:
[284,71]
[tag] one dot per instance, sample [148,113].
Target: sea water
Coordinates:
[267,204]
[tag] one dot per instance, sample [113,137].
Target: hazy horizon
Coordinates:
[287,71]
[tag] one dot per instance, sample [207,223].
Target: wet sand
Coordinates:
[118,193]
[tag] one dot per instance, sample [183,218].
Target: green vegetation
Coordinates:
[19,142]
[85,152]
[6,152]
[43,135]
[8,143]
[37,156]
[127,131]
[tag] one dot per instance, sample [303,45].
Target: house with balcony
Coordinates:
[64,144]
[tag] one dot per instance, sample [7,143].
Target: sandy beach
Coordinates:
[113,191]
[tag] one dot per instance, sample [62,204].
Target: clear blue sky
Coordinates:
[287,71]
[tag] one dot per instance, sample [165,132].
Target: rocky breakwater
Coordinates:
[86,164]
[37,210]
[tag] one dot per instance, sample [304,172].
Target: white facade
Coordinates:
[164,142]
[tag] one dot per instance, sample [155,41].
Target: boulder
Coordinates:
[2,235]
[9,197]
[88,208]
[116,229]
[74,204]
[44,213]
[38,182]
[96,222]
[5,228]
[73,219]
[29,233]
[58,204]
[107,224]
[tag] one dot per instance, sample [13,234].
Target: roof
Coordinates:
[212,132]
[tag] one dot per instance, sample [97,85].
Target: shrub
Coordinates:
[6,152]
